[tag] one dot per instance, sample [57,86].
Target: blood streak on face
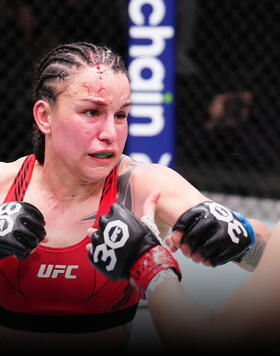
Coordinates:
[96,88]
[99,71]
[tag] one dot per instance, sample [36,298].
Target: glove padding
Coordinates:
[124,248]
[217,233]
[21,229]
[119,243]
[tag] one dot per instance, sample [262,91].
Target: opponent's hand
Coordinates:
[124,248]
[21,229]
[213,233]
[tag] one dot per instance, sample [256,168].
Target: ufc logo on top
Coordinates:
[51,271]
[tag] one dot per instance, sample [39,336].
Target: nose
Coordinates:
[107,132]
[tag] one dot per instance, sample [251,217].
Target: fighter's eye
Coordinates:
[121,115]
[92,112]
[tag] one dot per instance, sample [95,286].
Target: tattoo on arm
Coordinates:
[124,193]
[124,187]
[254,255]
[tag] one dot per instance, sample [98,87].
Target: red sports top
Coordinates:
[60,281]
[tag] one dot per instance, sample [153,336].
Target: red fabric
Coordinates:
[21,181]
[61,281]
[153,261]
[108,197]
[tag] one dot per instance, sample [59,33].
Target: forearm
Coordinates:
[181,323]
[247,321]
[262,234]
[185,325]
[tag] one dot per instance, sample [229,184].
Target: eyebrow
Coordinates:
[99,102]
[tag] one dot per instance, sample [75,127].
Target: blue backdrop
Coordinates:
[151,33]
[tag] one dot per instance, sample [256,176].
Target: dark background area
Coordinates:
[227,82]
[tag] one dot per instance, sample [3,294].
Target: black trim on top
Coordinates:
[66,324]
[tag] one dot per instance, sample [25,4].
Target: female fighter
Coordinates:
[53,298]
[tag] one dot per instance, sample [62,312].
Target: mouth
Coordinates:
[103,155]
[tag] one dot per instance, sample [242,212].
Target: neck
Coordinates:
[64,187]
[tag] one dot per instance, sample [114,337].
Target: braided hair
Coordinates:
[58,65]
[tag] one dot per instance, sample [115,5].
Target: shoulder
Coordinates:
[145,170]
[177,194]
[8,173]
[135,179]
[150,175]
[141,179]
[10,169]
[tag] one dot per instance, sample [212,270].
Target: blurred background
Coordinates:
[227,112]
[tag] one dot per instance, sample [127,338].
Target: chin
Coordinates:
[99,173]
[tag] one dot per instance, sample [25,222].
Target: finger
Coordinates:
[207,263]
[45,240]
[90,231]
[186,250]
[88,247]
[196,257]
[176,238]
[170,244]
[150,204]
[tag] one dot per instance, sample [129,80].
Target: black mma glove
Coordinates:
[216,232]
[124,248]
[21,229]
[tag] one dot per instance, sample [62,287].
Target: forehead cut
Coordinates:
[64,61]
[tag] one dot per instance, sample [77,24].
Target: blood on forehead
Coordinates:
[95,88]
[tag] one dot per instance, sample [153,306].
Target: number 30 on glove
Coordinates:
[217,233]
[124,248]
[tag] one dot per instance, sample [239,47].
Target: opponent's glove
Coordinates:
[21,229]
[217,233]
[124,248]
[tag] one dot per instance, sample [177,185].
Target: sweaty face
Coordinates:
[89,121]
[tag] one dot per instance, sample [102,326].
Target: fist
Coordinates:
[119,242]
[125,248]
[215,232]
[21,229]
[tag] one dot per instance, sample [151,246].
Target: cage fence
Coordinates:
[227,107]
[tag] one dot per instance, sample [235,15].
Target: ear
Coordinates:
[41,112]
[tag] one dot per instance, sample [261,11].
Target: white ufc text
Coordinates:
[53,271]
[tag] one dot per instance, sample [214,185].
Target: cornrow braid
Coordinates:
[57,65]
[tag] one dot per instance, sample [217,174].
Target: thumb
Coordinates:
[90,232]
[150,204]
[149,209]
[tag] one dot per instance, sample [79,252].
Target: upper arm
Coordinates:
[177,194]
